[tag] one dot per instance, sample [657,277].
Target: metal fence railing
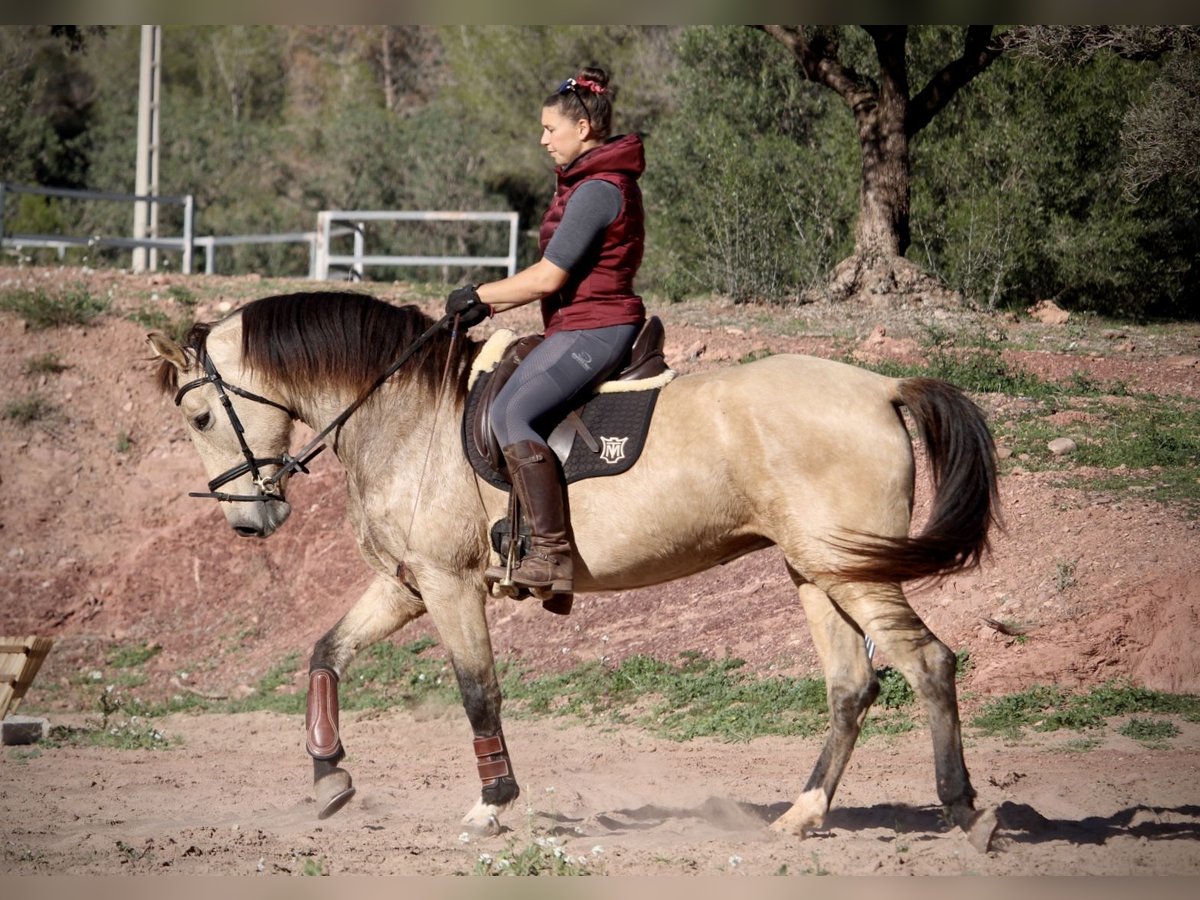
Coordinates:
[359,259]
[321,256]
[184,244]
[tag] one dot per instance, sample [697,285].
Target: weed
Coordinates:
[1045,708]
[1064,576]
[816,868]
[22,757]
[124,442]
[46,364]
[40,310]
[29,409]
[1149,447]
[133,733]
[761,353]
[133,655]
[1153,732]
[313,866]
[894,690]
[544,856]
[1080,745]
[182,295]
[157,319]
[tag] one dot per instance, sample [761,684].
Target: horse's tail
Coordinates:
[962,461]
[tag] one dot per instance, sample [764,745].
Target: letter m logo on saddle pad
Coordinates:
[620,410]
[612,449]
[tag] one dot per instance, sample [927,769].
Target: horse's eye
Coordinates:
[202,421]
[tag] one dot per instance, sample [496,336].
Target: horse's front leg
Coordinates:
[457,607]
[381,610]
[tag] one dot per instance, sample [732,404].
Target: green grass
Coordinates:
[1048,708]
[546,855]
[129,656]
[1147,445]
[696,696]
[29,409]
[156,319]
[41,310]
[1152,732]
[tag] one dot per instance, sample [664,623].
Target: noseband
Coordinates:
[268,488]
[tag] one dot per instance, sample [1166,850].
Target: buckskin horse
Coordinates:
[808,454]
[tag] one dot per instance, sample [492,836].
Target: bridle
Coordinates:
[268,488]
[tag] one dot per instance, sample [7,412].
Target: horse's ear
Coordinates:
[168,350]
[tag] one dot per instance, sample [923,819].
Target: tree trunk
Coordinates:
[886,118]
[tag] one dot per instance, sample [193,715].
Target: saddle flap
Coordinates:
[485,440]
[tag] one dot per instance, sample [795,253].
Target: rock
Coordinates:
[1062,446]
[1003,452]
[23,730]
[1183,362]
[696,350]
[1049,313]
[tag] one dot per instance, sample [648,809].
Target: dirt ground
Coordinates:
[102,548]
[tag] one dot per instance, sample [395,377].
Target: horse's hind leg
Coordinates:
[384,608]
[929,666]
[851,688]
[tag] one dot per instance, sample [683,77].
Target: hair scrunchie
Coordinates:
[593,86]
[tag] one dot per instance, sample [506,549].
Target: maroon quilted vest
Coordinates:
[600,293]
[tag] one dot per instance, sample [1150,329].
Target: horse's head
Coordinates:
[241,434]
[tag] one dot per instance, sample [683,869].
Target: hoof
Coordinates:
[807,814]
[483,820]
[981,828]
[333,792]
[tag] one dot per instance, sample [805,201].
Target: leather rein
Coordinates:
[268,488]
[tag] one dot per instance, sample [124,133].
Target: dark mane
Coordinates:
[339,339]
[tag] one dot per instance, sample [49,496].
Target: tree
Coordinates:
[886,116]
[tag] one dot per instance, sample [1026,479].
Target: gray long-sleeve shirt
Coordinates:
[593,206]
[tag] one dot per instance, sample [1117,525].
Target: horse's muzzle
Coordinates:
[258,520]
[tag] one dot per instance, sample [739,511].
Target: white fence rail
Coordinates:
[321,257]
[358,260]
[183,244]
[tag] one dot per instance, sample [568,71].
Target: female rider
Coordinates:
[591,242]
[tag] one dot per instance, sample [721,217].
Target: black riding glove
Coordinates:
[464,302]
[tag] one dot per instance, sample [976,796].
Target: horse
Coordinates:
[804,453]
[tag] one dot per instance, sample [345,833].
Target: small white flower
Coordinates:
[464,838]
[597,850]
[550,790]
[734,861]
[504,863]
[485,858]
[558,852]
[262,864]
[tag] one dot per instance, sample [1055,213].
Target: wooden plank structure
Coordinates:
[20,659]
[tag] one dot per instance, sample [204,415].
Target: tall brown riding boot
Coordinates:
[547,568]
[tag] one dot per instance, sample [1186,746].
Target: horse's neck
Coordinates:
[397,433]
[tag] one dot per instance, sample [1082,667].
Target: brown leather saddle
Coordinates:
[602,436]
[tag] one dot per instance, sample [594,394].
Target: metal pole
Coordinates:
[512,246]
[321,262]
[145,219]
[357,268]
[155,110]
[189,221]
